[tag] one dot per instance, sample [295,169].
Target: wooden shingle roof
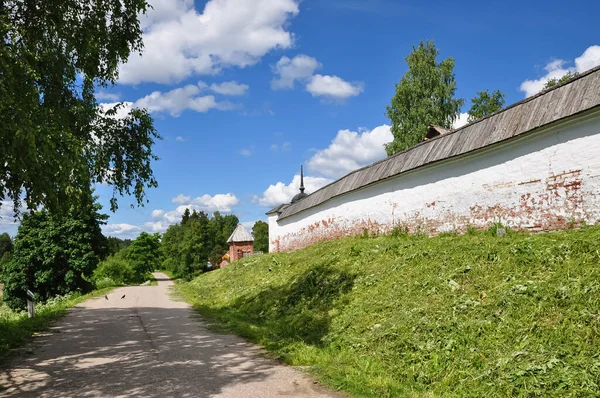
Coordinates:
[240,234]
[573,97]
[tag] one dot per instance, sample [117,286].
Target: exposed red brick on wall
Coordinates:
[237,250]
[538,210]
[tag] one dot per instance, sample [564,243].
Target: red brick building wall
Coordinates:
[237,250]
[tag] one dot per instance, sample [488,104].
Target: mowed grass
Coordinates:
[452,316]
[16,327]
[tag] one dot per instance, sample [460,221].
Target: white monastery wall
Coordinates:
[547,179]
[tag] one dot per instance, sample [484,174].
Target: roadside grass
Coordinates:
[461,316]
[16,328]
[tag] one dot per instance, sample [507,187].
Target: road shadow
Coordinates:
[98,352]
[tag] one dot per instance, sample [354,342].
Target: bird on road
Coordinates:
[106,297]
[122,297]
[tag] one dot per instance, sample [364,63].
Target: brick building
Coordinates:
[241,244]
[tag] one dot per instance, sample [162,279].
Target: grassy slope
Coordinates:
[470,315]
[16,328]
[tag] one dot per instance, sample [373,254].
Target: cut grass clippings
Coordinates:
[462,316]
[17,328]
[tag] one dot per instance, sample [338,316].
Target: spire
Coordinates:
[301,194]
[301,179]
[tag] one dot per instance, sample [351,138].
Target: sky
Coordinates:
[243,92]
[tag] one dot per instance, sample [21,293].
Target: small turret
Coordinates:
[301,195]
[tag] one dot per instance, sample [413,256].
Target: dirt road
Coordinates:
[146,345]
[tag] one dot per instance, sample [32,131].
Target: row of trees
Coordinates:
[131,263]
[426,95]
[57,255]
[58,141]
[6,249]
[187,247]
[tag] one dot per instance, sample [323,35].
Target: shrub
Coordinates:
[114,271]
[399,231]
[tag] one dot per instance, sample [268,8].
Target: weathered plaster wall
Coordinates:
[548,179]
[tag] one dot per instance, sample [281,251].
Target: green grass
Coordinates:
[17,328]
[451,316]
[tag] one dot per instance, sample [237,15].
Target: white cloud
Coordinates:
[173,102]
[179,138]
[286,146]
[589,59]
[333,87]
[281,193]
[246,152]
[121,230]
[176,101]
[181,199]
[165,10]
[460,121]
[350,150]
[180,42]
[121,109]
[557,68]
[103,95]
[229,88]
[158,226]
[158,213]
[219,202]
[301,67]
[7,217]
[248,225]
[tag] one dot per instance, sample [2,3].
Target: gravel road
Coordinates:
[146,345]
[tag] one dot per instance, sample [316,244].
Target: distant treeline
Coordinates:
[60,254]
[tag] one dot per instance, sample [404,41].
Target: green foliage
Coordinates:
[485,104]
[186,247]
[6,244]
[6,249]
[115,245]
[131,264]
[260,232]
[424,96]
[555,82]
[17,327]
[55,255]
[115,271]
[56,140]
[404,315]
[143,255]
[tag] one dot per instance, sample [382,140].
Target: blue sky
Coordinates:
[245,91]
